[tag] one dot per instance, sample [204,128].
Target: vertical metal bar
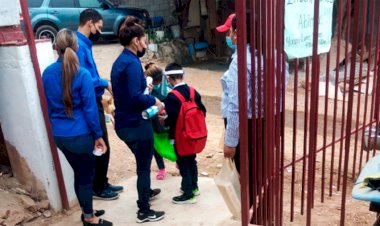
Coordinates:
[306,119]
[243,107]
[340,25]
[358,107]
[260,70]
[253,107]
[367,81]
[294,150]
[350,109]
[325,127]
[348,17]
[313,114]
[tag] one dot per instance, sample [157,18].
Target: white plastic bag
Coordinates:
[228,184]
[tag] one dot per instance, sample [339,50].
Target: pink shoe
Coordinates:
[161,174]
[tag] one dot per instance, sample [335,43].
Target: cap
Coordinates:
[227,25]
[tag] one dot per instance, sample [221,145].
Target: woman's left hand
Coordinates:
[150,88]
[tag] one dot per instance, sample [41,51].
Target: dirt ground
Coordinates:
[205,76]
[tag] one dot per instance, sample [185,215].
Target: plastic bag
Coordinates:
[164,147]
[228,184]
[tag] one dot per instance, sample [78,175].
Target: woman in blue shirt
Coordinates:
[128,84]
[74,118]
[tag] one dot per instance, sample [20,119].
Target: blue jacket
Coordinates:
[86,60]
[128,85]
[85,110]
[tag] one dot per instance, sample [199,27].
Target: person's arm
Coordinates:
[138,98]
[172,110]
[84,61]
[231,138]
[90,107]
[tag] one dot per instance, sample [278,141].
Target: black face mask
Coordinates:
[95,37]
[141,53]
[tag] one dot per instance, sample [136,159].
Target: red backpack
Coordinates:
[191,131]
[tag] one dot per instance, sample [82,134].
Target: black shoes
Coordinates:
[149,216]
[100,223]
[97,213]
[154,193]
[182,199]
[115,188]
[106,194]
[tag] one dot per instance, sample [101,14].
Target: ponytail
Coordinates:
[66,43]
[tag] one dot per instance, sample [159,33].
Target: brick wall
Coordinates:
[162,8]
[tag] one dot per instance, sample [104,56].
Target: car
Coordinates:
[49,16]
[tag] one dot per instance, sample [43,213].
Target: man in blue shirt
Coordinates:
[89,30]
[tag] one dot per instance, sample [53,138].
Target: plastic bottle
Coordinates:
[149,81]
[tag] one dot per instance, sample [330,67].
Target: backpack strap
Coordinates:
[192,93]
[178,95]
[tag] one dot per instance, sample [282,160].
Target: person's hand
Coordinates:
[159,104]
[161,118]
[229,152]
[109,88]
[150,88]
[100,144]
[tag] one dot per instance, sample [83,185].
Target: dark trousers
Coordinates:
[189,172]
[101,165]
[78,152]
[140,140]
[159,160]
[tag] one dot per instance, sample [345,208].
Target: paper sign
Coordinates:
[299,26]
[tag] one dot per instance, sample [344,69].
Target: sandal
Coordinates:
[161,174]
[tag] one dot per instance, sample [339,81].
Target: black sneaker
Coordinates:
[149,216]
[97,213]
[184,200]
[115,188]
[106,194]
[100,223]
[154,193]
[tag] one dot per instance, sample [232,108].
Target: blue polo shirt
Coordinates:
[128,85]
[86,60]
[85,118]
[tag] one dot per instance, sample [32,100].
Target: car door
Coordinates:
[64,13]
[104,9]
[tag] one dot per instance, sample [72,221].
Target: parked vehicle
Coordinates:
[49,16]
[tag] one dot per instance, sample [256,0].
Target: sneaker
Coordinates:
[106,194]
[100,223]
[97,213]
[115,188]
[184,200]
[196,192]
[149,216]
[161,174]
[154,193]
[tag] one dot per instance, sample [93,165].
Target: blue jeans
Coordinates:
[140,140]
[78,152]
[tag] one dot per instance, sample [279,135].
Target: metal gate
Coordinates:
[309,141]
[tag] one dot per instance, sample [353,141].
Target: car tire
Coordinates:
[47,31]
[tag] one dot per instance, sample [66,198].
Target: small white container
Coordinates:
[160,35]
[98,152]
[153,47]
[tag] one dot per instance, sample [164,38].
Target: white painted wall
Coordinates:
[20,110]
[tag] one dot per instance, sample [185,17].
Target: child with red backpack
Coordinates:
[186,119]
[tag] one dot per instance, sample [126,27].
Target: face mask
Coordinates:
[157,87]
[141,53]
[95,37]
[229,43]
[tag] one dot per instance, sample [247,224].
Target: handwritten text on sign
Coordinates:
[299,25]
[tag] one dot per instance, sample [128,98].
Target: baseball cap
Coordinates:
[227,25]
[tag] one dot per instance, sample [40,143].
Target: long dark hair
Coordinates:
[66,45]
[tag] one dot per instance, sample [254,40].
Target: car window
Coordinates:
[89,4]
[35,3]
[62,3]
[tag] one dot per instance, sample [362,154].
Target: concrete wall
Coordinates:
[163,8]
